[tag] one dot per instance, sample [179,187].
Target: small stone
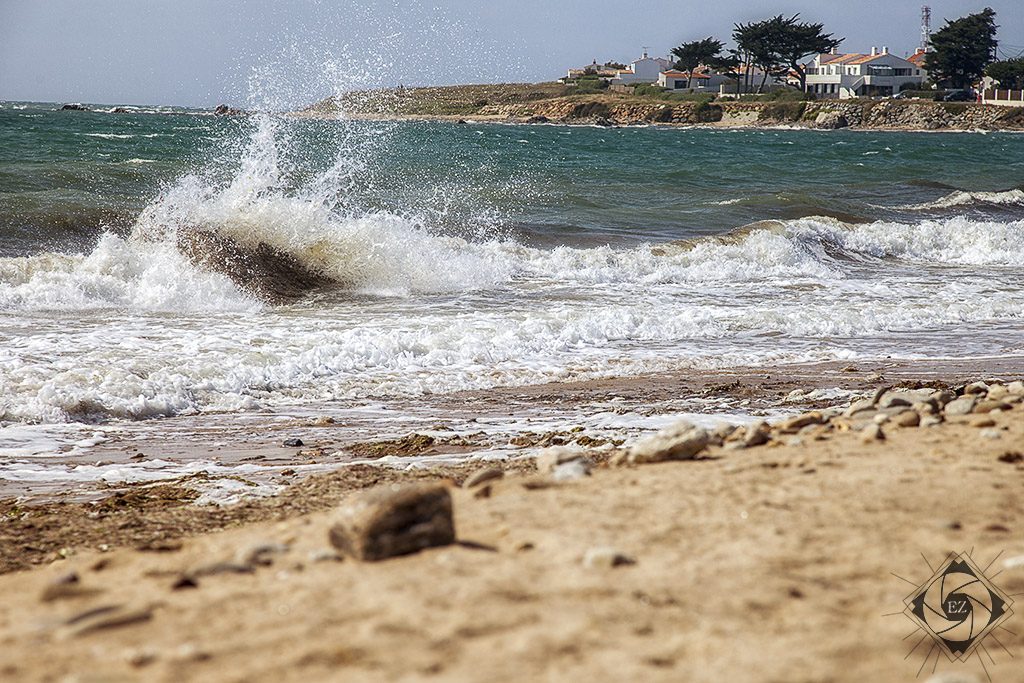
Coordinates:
[1012,458]
[390,521]
[682,441]
[895,399]
[961,406]
[981,421]
[140,658]
[926,407]
[859,407]
[571,471]
[984,407]
[942,397]
[293,443]
[877,395]
[872,433]
[606,558]
[880,419]
[992,434]
[756,435]
[931,420]
[797,422]
[976,388]
[483,476]
[550,458]
[997,392]
[909,418]
[1016,388]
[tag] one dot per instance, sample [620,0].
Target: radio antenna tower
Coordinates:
[926,28]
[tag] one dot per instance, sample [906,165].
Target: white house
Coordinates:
[643,70]
[703,80]
[879,74]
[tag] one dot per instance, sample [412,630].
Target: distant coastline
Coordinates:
[551,103]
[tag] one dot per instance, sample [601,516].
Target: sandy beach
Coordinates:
[774,562]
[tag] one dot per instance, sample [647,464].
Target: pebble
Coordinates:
[756,435]
[606,558]
[961,406]
[293,443]
[982,421]
[976,388]
[909,418]
[872,433]
[483,476]
[389,521]
[550,458]
[992,434]
[797,422]
[859,407]
[572,470]
[989,406]
[1016,388]
[682,441]
[997,391]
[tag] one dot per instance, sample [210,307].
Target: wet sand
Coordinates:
[773,563]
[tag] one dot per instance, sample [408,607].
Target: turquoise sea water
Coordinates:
[479,255]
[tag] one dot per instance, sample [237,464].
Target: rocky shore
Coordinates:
[761,552]
[550,103]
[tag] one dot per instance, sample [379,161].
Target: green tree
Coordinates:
[796,40]
[689,56]
[962,49]
[1009,73]
[756,48]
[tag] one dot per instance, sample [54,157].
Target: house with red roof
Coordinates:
[877,74]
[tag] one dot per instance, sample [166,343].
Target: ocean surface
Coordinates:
[451,257]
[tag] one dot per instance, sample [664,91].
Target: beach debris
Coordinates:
[67,586]
[1012,458]
[293,443]
[394,520]
[606,558]
[681,441]
[106,617]
[961,406]
[487,474]
[261,554]
[325,555]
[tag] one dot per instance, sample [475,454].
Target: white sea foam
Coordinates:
[960,198]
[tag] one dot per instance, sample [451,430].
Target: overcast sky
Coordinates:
[284,52]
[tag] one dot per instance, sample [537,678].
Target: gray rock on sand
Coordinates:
[860,406]
[756,435]
[976,388]
[961,406]
[908,418]
[390,521]
[681,441]
[794,424]
[572,470]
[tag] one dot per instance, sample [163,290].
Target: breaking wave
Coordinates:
[959,198]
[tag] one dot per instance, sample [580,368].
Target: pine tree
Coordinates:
[962,49]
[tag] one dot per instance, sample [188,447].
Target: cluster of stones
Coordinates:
[887,407]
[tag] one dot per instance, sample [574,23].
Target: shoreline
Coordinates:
[772,561]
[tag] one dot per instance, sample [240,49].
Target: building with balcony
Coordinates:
[878,74]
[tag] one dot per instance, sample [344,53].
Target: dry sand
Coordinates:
[775,563]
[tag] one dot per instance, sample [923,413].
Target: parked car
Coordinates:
[960,96]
